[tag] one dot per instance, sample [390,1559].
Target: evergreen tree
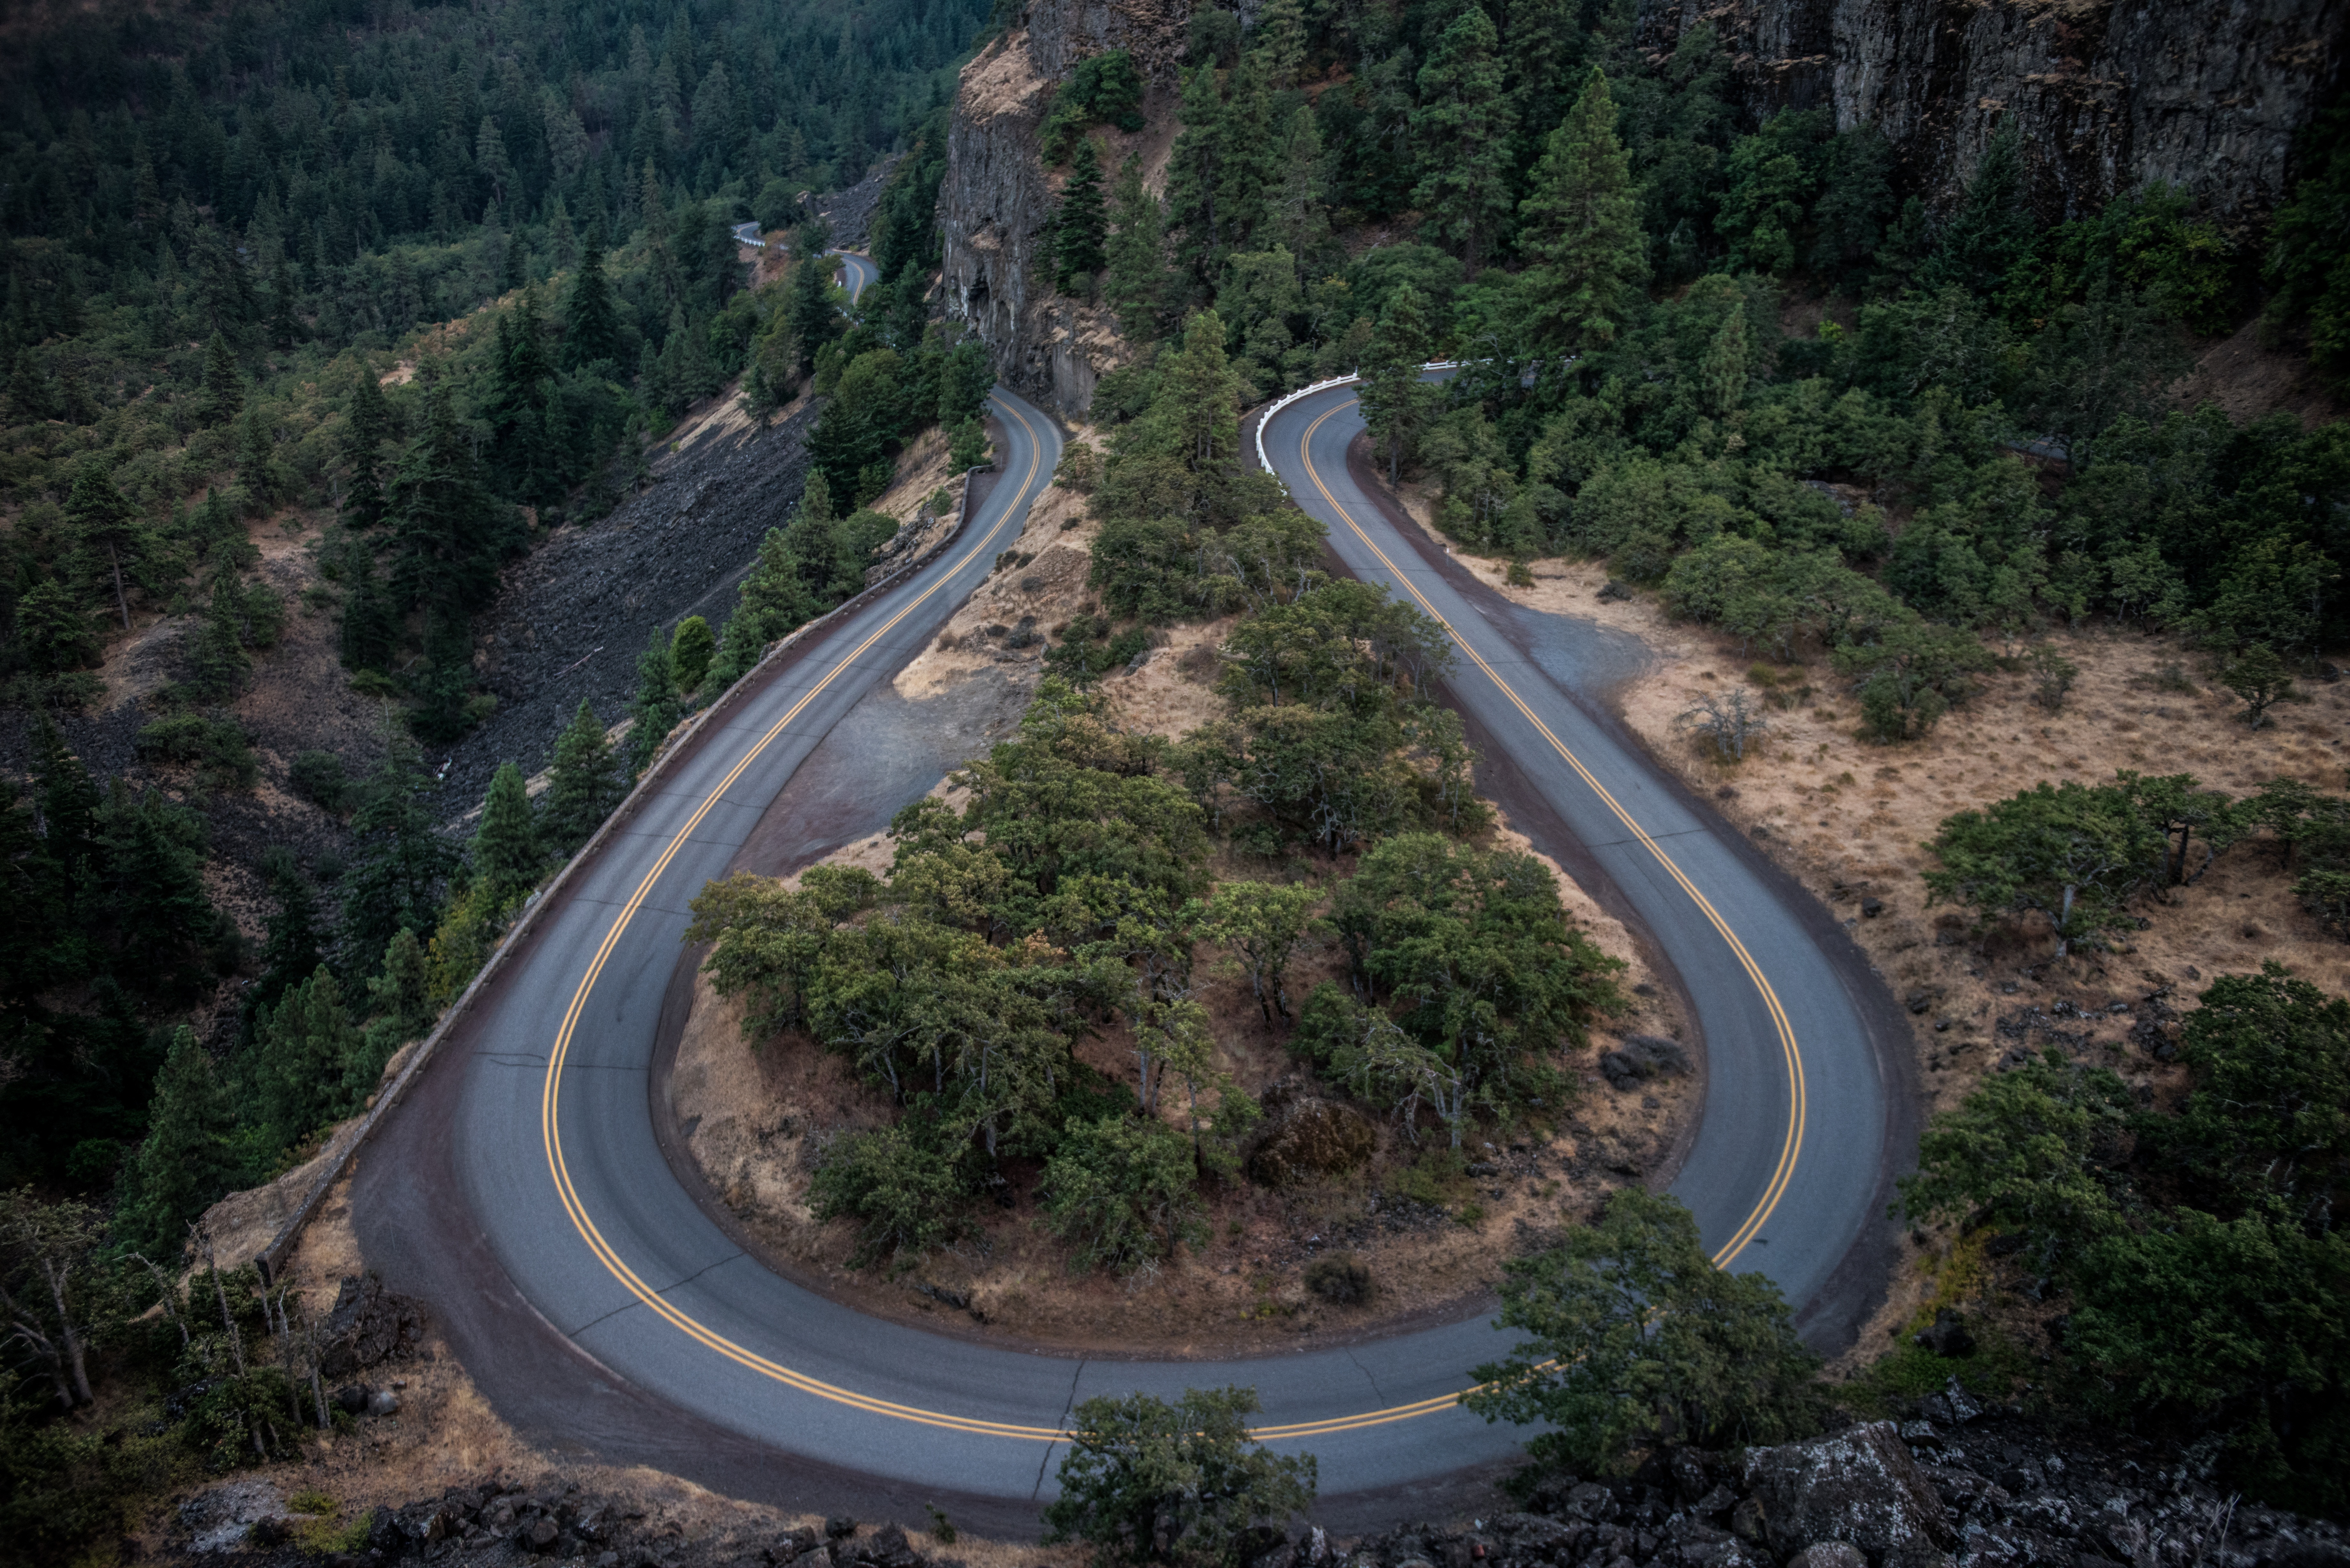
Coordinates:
[1250,150]
[284,326]
[451,533]
[366,423]
[1136,255]
[302,1059]
[401,994]
[1297,217]
[654,707]
[223,388]
[295,943]
[148,891]
[106,529]
[217,664]
[1201,390]
[186,1160]
[1080,226]
[1195,171]
[1722,369]
[257,464]
[689,652]
[516,406]
[1464,130]
[1991,232]
[400,862]
[1582,229]
[808,304]
[506,856]
[582,787]
[1397,403]
[591,325]
[368,630]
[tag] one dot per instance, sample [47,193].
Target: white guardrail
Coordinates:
[1280,403]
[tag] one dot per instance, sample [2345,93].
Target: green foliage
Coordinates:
[507,855]
[1148,1481]
[319,778]
[309,1064]
[1581,232]
[1122,1192]
[1636,1337]
[582,785]
[2259,680]
[906,1198]
[215,747]
[1470,955]
[1080,224]
[1104,89]
[2072,853]
[654,709]
[690,650]
[2306,266]
[187,1161]
[2192,1242]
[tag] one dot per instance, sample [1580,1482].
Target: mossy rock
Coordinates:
[1314,1139]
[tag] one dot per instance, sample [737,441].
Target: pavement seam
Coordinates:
[1068,1404]
[1377,1392]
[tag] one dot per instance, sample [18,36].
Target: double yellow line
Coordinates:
[1793,1142]
[550,1098]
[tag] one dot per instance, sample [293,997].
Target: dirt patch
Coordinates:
[2248,379]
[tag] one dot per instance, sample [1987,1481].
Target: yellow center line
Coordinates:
[1797,1097]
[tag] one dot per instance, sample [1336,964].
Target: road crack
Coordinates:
[1377,1392]
[1068,1404]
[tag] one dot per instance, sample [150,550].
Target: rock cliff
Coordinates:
[2109,94]
[997,196]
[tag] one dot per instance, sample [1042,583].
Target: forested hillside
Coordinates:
[409,289]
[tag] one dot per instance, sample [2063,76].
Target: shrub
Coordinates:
[1148,1481]
[1124,1191]
[319,778]
[1339,1278]
[214,747]
[904,1196]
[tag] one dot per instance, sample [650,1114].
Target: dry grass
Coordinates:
[1852,820]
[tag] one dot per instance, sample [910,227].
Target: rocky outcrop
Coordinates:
[996,197]
[1859,1487]
[2109,95]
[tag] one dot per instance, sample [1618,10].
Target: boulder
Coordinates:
[1947,1335]
[1859,1486]
[1641,1057]
[369,1324]
[221,1518]
[1829,1555]
[1313,1138]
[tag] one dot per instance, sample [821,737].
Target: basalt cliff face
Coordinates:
[2109,95]
[997,196]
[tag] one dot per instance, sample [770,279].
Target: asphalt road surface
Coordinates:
[1789,1170]
[527,1194]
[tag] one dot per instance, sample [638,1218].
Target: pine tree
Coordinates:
[401,994]
[515,408]
[303,1052]
[1991,232]
[451,533]
[1582,228]
[186,1161]
[1250,150]
[400,862]
[366,423]
[105,527]
[506,854]
[591,325]
[808,307]
[582,787]
[1464,130]
[1295,214]
[370,631]
[1080,225]
[654,707]
[223,389]
[1198,384]
[295,944]
[1195,171]
[1137,254]
[689,652]
[1280,36]
[218,663]
[1396,402]
[284,326]
[256,464]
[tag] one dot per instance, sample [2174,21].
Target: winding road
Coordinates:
[528,1194]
